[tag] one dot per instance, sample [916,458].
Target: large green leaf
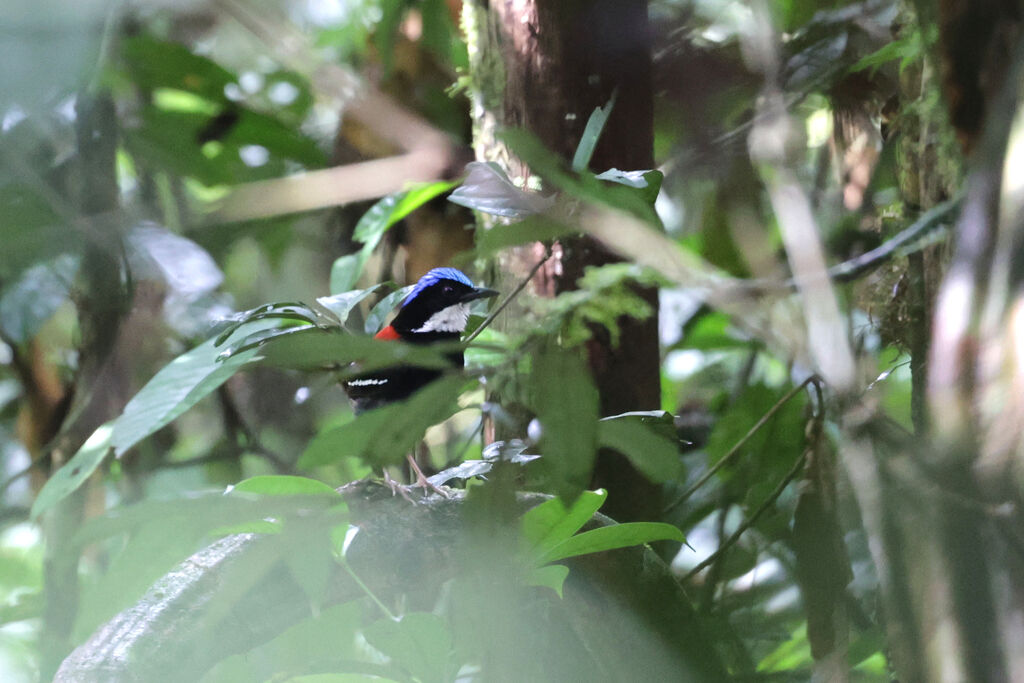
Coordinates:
[526,231]
[488,189]
[284,485]
[565,400]
[393,208]
[380,312]
[32,231]
[345,270]
[771,451]
[34,298]
[372,226]
[170,140]
[384,435]
[548,534]
[177,387]
[648,440]
[174,389]
[584,186]
[551,576]
[154,63]
[73,474]
[342,304]
[547,525]
[313,348]
[419,642]
[613,537]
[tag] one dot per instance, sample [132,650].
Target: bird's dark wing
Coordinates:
[381,387]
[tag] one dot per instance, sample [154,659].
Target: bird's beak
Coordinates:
[479,293]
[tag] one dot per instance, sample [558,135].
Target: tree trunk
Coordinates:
[545,67]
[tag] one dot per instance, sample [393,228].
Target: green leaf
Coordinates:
[565,400]
[383,436]
[648,181]
[526,231]
[311,348]
[374,223]
[897,49]
[585,187]
[613,537]
[32,231]
[393,208]
[156,64]
[178,386]
[345,272]
[284,485]
[487,189]
[549,524]
[308,553]
[380,312]
[591,134]
[711,331]
[74,473]
[551,576]
[288,311]
[166,139]
[35,297]
[342,304]
[647,440]
[769,453]
[259,526]
[420,642]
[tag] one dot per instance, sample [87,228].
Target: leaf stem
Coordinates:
[366,589]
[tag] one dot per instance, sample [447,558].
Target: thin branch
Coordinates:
[515,292]
[725,459]
[236,424]
[426,153]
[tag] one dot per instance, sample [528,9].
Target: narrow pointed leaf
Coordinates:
[551,576]
[613,537]
[380,312]
[591,135]
[648,442]
[74,473]
[383,436]
[342,304]
[487,189]
[283,485]
[549,524]
[565,400]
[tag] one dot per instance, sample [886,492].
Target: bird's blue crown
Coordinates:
[433,277]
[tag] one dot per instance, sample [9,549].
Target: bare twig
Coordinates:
[515,292]
[237,424]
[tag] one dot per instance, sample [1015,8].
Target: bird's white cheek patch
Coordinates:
[451,319]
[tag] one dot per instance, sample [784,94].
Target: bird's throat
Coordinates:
[450,319]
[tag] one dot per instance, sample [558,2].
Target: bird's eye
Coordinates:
[447,289]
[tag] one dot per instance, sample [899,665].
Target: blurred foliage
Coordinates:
[228,391]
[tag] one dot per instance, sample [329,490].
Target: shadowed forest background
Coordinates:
[748,408]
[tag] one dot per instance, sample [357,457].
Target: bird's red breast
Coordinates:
[388,333]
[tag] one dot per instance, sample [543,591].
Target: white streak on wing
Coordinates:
[451,319]
[367,382]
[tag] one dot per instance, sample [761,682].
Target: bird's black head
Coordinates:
[438,306]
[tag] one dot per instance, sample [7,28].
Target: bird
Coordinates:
[436,310]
